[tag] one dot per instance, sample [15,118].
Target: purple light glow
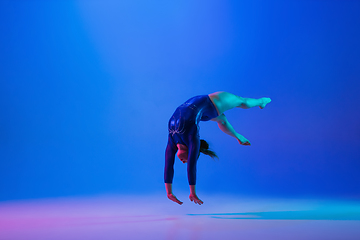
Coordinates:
[120,217]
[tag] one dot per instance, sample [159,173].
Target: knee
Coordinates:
[239,101]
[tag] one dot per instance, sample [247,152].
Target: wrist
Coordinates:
[192,189]
[168,187]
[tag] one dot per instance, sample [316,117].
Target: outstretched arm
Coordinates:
[169,170]
[169,161]
[226,127]
[194,149]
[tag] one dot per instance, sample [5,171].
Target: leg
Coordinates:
[226,127]
[224,101]
[253,102]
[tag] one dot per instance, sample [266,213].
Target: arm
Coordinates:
[194,149]
[226,127]
[169,161]
[169,170]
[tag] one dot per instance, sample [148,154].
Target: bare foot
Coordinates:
[265,101]
[243,141]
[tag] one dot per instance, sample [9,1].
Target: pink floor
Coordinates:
[154,217]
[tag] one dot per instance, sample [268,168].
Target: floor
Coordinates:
[155,217]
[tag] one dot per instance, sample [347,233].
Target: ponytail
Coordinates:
[204,148]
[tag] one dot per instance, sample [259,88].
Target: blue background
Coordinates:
[87,88]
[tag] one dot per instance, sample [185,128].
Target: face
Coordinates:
[182,155]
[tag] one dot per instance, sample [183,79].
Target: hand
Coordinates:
[195,198]
[243,141]
[174,199]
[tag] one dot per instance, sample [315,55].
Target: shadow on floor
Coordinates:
[289,215]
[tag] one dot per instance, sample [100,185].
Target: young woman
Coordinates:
[184,136]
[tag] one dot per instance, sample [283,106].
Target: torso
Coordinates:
[187,116]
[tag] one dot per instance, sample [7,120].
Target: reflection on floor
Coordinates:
[155,217]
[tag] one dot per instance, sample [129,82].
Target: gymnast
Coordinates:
[184,136]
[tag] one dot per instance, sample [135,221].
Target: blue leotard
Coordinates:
[184,129]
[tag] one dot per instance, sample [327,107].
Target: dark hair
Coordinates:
[204,148]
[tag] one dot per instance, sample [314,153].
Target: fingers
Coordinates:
[174,199]
[199,202]
[196,200]
[179,202]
